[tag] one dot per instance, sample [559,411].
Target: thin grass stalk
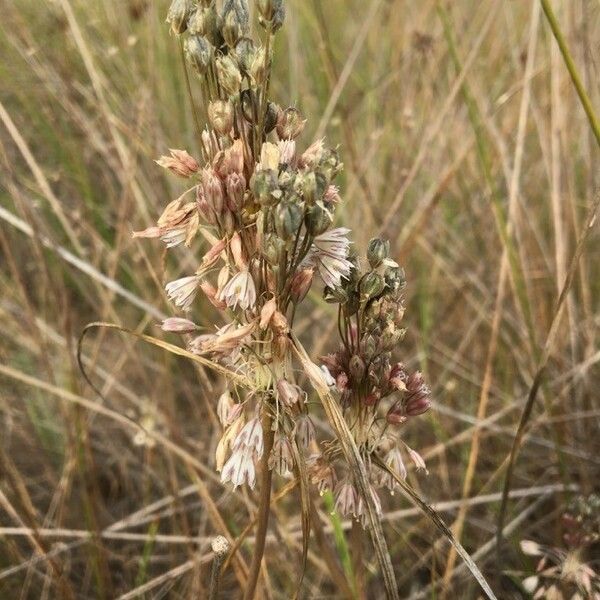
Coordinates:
[572,68]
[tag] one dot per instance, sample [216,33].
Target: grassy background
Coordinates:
[464,143]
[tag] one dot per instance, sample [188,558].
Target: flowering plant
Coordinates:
[267,209]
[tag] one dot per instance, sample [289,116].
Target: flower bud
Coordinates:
[272,14]
[178,325]
[235,19]
[263,184]
[180,163]
[357,368]
[318,219]
[377,251]
[244,51]
[213,190]
[259,66]
[272,248]
[228,74]
[236,186]
[395,279]
[267,8]
[301,283]
[288,219]
[371,285]
[330,164]
[271,116]
[290,124]
[220,115]
[198,52]
[336,295]
[178,15]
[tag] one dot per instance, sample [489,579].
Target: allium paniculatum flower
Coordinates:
[259,205]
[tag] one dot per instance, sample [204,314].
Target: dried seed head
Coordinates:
[263,184]
[178,15]
[259,66]
[236,186]
[290,124]
[213,190]
[220,115]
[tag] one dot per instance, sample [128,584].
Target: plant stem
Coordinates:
[570,64]
[263,508]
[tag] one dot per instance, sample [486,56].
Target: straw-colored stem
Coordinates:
[263,508]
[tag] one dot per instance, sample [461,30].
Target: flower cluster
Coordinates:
[266,205]
[376,393]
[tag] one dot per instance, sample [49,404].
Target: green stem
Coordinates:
[570,64]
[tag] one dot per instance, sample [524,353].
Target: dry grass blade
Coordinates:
[239,566]
[435,518]
[543,362]
[205,362]
[302,474]
[354,459]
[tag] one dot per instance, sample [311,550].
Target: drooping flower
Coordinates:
[346,498]
[251,437]
[240,468]
[183,291]
[305,430]
[393,460]
[289,393]
[240,290]
[329,254]
[281,457]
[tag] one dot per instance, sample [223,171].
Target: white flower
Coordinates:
[239,290]
[250,437]
[240,468]
[305,430]
[329,254]
[394,461]
[281,459]
[346,498]
[183,291]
